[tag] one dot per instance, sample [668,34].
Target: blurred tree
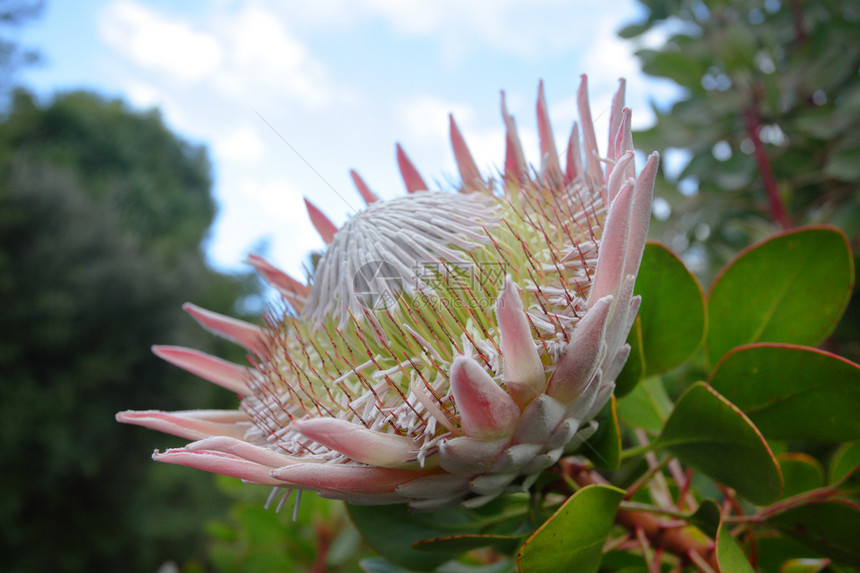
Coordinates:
[768,120]
[102,215]
[14,13]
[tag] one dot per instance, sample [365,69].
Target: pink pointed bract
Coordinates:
[450,345]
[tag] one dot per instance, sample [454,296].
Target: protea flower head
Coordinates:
[451,345]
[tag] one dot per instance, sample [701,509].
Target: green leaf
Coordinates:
[804,565]
[707,517]
[800,472]
[793,392]
[711,434]
[671,322]
[830,527]
[676,66]
[572,539]
[791,288]
[845,465]
[647,406]
[391,529]
[736,47]
[844,164]
[605,445]
[634,30]
[772,551]
[634,368]
[730,556]
[462,543]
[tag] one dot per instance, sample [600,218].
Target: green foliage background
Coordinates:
[102,216]
[782,75]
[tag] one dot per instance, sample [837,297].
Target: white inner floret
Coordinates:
[389,243]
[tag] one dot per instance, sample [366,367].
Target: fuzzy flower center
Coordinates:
[389,247]
[408,285]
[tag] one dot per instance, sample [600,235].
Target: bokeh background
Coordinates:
[146,147]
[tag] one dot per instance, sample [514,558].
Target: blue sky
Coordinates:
[341,81]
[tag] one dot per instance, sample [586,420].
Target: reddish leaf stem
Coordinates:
[797,19]
[660,534]
[323,542]
[753,127]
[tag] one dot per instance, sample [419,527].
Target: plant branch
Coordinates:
[639,450]
[323,535]
[645,478]
[797,20]
[820,494]
[644,507]
[660,533]
[752,121]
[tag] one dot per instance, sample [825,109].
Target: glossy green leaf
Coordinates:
[623,562]
[709,433]
[634,368]
[730,556]
[791,289]
[672,315]
[572,539]
[604,448]
[830,527]
[800,472]
[469,541]
[804,565]
[793,392]
[391,529]
[772,551]
[845,465]
[647,406]
[707,517]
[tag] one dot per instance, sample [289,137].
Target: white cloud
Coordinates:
[247,53]
[409,16]
[144,95]
[157,42]
[526,28]
[264,57]
[241,145]
[487,147]
[261,208]
[425,117]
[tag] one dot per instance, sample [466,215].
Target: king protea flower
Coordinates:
[450,345]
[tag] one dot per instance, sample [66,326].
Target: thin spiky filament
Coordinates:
[386,368]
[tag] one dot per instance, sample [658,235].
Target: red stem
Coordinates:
[677,541]
[753,125]
[323,542]
[797,19]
